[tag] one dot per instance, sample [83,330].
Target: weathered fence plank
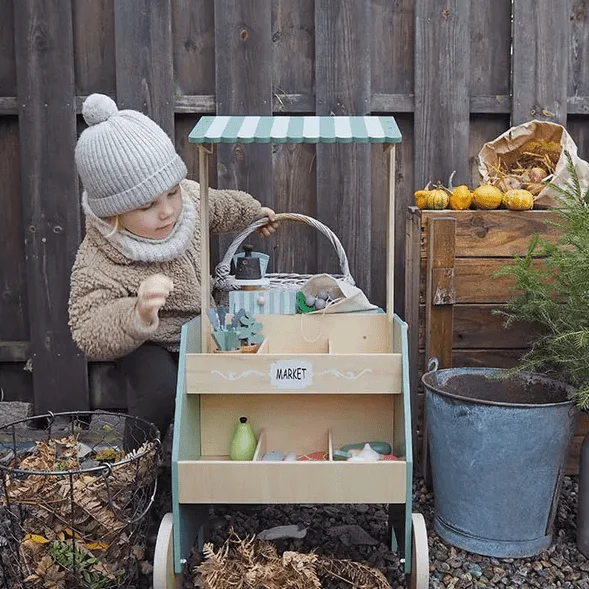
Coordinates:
[541,36]
[14,324]
[391,71]
[94,47]
[194,47]
[49,188]
[342,82]
[442,74]
[143,52]
[243,49]
[293,29]
[293,33]
[7,59]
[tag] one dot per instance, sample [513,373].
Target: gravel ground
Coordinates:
[359,532]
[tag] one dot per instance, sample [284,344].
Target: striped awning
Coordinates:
[295,129]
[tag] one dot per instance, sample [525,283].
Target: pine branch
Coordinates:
[551,289]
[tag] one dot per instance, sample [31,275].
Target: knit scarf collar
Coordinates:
[142,249]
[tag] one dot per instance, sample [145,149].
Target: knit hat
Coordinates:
[124,159]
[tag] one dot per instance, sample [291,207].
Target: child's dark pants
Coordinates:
[149,374]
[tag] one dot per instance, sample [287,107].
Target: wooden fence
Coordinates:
[445,70]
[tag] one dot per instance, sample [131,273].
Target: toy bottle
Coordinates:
[243,442]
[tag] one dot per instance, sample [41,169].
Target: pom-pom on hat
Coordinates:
[124,159]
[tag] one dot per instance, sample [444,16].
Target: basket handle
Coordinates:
[224,281]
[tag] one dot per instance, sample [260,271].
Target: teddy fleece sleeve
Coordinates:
[231,210]
[102,317]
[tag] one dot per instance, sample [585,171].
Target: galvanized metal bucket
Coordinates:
[498,447]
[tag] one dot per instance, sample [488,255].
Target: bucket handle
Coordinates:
[433,364]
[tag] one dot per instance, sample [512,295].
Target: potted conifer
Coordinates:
[555,295]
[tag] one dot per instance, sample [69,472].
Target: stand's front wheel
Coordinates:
[163,559]
[419,578]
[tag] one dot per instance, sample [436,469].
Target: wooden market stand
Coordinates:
[357,387]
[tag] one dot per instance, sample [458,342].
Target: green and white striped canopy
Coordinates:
[295,129]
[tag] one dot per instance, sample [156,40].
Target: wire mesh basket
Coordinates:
[224,281]
[74,495]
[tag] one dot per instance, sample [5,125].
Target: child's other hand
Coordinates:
[151,297]
[272,224]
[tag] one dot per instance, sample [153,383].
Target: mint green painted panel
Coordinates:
[295,130]
[198,131]
[185,446]
[391,130]
[359,133]
[327,130]
[230,132]
[400,324]
[264,129]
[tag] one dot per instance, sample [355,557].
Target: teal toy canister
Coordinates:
[243,442]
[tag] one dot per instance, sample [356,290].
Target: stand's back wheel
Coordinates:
[163,559]
[419,577]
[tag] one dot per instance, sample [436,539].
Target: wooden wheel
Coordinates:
[163,559]
[419,577]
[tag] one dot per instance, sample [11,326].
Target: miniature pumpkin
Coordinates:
[518,200]
[421,195]
[461,198]
[437,199]
[487,197]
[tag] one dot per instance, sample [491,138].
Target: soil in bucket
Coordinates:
[526,389]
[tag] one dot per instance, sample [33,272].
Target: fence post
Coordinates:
[440,296]
[47,124]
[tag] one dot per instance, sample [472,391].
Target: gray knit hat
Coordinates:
[124,159]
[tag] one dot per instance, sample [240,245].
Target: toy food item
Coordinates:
[367,454]
[243,442]
[380,447]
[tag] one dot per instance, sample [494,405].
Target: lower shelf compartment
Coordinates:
[217,479]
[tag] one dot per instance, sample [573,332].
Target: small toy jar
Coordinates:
[243,442]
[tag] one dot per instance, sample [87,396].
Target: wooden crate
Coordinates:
[451,291]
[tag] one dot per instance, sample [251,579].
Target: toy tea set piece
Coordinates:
[241,334]
[250,268]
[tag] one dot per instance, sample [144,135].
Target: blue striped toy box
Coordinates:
[264,302]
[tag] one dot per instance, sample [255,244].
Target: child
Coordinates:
[136,278]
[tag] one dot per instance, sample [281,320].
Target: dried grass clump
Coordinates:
[255,564]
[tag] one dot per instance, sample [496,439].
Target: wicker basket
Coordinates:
[224,281]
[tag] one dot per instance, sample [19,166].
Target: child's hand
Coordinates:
[151,297]
[272,224]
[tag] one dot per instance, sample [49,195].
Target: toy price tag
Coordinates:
[291,374]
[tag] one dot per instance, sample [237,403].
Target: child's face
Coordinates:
[156,219]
